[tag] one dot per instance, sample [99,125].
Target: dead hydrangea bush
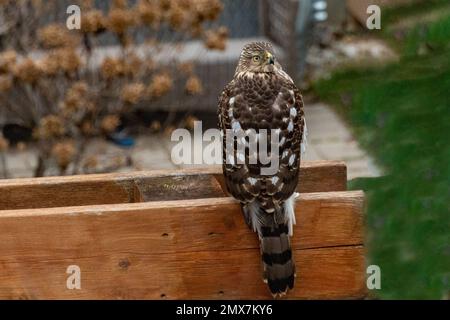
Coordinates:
[68,87]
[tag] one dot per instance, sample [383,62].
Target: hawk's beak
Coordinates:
[270,58]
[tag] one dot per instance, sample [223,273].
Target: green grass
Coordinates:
[401,116]
[434,36]
[395,14]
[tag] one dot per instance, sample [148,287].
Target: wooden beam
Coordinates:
[326,273]
[316,176]
[179,249]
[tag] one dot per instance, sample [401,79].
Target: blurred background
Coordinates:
[106,98]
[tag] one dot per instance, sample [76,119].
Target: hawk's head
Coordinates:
[257,57]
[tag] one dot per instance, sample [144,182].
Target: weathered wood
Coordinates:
[281,20]
[323,219]
[180,249]
[180,187]
[325,273]
[112,188]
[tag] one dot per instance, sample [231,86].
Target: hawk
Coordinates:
[262,98]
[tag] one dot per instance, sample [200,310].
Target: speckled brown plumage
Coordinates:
[262,96]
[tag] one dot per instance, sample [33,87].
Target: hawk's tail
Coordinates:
[278,264]
[274,227]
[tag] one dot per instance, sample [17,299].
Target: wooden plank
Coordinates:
[323,219]
[315,176]
[327,273]
[182,187]
[143,250]
[58,192]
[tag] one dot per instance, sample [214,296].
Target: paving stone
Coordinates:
[339,151]
[16,174]
[311,154]
[149,153]
[25,160]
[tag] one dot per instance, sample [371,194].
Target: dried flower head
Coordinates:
[7,61]
[193,85]
[149,13]
[92,21]
[6,83]
[110,123]
[5,2]
[86,4]
[121,4]
[223,32]
[177,17]
[51,126]
[69,60]
[160,85]
[87,128]
[79,88]
[56,35]
[133,65]
[65,60]
[165,4]
[168,130]
[3,143]
[48,65]
[207,10]
[187,68]
[155,126]
[119,20]
[133,92]
[196,29]
[64,153]
[27,71]
[190,122]
[112,67]
[185,4]
[216,39]
[75,98]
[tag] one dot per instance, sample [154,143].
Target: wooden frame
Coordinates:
[278,19]
[175,235]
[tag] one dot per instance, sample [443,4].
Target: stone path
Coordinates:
[328,139]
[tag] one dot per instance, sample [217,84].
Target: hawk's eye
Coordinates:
[256,58]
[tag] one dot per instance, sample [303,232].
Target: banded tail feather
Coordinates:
[274,228]
[278,264]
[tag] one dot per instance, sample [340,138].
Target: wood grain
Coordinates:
[324,273]
[316,176]
[182,187]
[182,249]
